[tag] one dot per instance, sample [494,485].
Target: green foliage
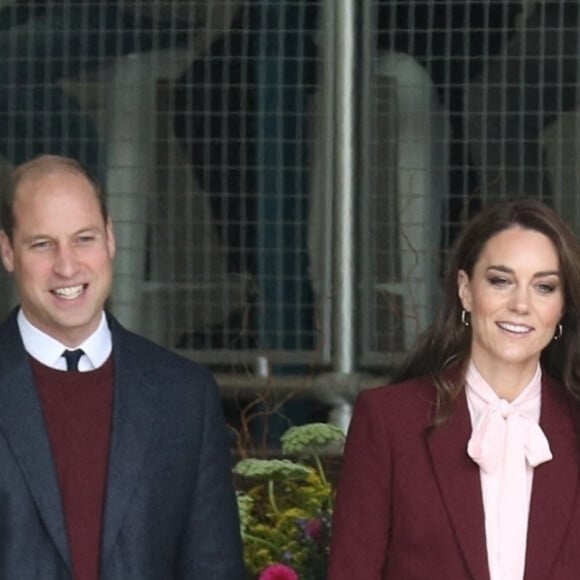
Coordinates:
[311,438]
[286,509]
[271,468]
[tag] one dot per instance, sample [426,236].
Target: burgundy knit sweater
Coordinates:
[78,409]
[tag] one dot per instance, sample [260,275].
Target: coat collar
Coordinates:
[458,479]
[134,412]
[554,490]
[555,486]
[22,422]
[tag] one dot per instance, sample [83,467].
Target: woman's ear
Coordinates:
[464,290]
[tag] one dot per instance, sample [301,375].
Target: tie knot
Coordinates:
[503,430]
[72,358]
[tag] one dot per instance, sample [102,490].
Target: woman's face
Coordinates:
[515,298]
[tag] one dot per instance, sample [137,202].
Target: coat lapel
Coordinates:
[133,415]
[555,485]
[459,482]
[22,422]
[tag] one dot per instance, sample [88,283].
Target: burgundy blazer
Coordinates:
[409,504]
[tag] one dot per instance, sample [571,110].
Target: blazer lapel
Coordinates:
[458,479]
[133,414]
[22,422]
[555,485]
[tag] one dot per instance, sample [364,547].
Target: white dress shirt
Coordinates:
[47,350]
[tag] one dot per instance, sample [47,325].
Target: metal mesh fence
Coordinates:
[469,102]
[196,117]
[212,126]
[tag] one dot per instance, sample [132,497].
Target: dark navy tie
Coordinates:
[72,358]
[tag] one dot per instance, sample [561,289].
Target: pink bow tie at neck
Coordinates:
[504,432]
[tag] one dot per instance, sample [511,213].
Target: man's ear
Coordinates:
[111,242]
[6,252]
[464,290]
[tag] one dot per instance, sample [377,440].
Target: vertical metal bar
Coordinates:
[367,180]
[129,102]
[325,188]
[344,313]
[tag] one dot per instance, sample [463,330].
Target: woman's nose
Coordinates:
[519,301]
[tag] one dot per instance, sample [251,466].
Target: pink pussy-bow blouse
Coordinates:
[507,442]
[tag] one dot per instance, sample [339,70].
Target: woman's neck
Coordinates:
[507,380]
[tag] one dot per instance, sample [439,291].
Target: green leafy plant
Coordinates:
[285,506]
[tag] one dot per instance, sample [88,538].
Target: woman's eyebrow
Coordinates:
[507,270]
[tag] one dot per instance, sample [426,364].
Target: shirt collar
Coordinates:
[480,394]
[47,350]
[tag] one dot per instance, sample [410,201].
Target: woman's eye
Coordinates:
[498,281]
[546,288]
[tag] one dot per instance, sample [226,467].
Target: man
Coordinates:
[121,472]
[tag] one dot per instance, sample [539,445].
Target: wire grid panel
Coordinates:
[243,121]
[408,188]
[501,121]
[195,116]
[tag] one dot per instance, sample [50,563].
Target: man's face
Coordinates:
[61,254]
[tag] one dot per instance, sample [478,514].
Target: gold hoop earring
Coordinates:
[464,319]
[559,331]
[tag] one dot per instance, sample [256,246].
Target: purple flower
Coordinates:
[314,528]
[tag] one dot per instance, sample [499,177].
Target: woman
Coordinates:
[468,467]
